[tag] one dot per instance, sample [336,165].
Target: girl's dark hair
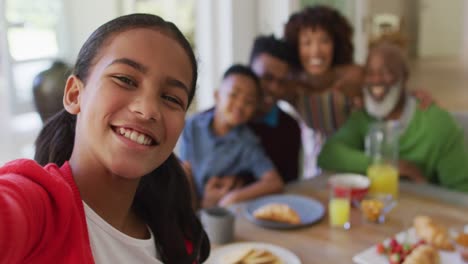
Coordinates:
[163,195]
[328,19]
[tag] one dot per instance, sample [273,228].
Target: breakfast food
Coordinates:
[372,208]
[396,251]
[423,254]
[253,256]
[277,212]
[462,245]
[433,233]
[462,239]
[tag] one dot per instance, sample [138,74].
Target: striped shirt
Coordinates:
[324,112]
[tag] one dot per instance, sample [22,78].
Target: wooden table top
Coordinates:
[319,243]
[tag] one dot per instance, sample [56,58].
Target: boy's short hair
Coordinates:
[246,71]
[270,45]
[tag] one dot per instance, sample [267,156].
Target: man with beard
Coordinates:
[278,132]
[431,144]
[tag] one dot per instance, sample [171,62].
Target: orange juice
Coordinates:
[339,209]
[384,179]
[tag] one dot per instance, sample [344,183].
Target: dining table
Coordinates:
[320,243]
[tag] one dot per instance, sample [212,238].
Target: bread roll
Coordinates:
[423,254]
[433,233]
[253,256]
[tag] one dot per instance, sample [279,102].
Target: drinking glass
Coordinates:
[339,206]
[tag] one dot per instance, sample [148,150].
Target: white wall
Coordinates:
[441,28]
[225,31]
[83,17]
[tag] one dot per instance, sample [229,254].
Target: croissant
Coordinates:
[277,212]
[433,233]
[254,256]
[423,254]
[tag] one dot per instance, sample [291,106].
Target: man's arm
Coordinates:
[344,151]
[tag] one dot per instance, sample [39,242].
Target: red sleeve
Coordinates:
[21,216]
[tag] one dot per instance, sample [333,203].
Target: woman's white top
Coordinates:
[109,245]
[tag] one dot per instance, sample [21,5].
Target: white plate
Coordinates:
[370,255]
[218,255]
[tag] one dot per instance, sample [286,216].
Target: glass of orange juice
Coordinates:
[382,144]
[339,206]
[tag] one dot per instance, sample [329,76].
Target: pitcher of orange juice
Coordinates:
[382,146]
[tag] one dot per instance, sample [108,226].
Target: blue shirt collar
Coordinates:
[271,118]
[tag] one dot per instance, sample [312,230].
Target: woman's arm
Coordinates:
[346,78]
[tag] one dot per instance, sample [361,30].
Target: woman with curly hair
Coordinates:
[327,78]
[324,80]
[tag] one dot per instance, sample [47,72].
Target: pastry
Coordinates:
[277,212]
[237,256]
[433,233]
[253,256]
[423,254]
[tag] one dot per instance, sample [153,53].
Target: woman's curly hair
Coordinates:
[328,19]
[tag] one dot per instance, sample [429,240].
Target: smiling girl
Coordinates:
[112,192]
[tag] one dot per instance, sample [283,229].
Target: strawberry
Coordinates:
[393,243]
[398,249]
[380,248]
[407,248]
[394,258]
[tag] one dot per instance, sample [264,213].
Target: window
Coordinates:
[179,12]
[32,45]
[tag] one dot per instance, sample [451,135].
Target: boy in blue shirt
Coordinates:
[217,146]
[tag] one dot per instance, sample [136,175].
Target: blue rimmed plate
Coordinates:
[309,210]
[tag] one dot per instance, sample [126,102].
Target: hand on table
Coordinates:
[411,171]
[228,199]
[217,188]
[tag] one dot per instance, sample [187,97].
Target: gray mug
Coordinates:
[218,223]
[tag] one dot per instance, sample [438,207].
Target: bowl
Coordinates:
[375,207]
[358,184]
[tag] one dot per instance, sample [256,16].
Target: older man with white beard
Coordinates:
[431,146]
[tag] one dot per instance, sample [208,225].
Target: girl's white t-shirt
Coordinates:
[109,245]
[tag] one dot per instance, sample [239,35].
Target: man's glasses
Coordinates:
[268,78]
